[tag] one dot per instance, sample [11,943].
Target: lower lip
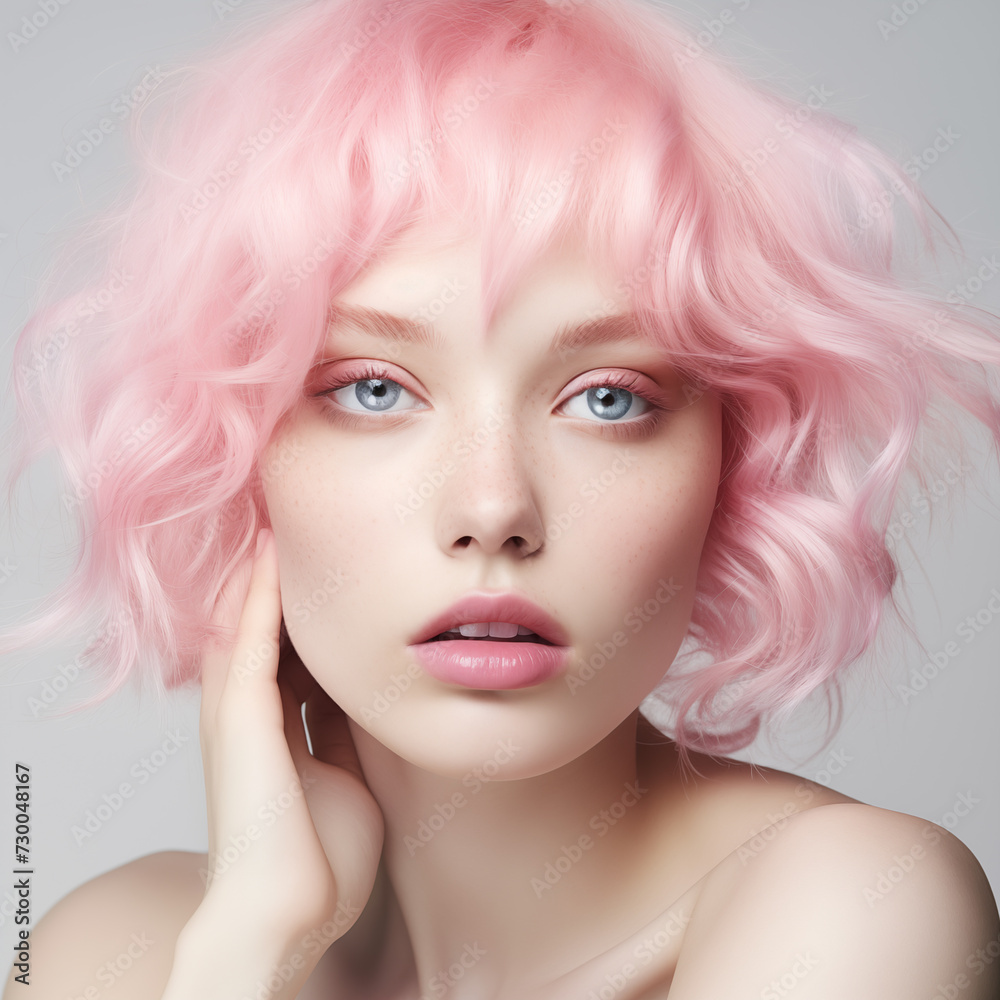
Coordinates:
[495,666]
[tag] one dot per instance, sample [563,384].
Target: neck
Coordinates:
[500,881]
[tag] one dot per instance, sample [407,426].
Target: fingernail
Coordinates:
[261,539]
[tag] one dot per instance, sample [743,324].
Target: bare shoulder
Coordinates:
[116,931]
[722,806]
[844,900]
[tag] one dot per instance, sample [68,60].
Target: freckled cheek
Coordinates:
[337,541]
[641,545]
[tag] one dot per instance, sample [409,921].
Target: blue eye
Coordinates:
[374,394]
[607,402]
[369,391]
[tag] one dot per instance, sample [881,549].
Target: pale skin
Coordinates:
[729,883]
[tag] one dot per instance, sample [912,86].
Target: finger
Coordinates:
[254,662]
[216,653]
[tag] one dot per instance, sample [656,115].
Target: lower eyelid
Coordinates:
[636,427]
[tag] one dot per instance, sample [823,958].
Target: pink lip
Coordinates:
[480,606]
[490,665]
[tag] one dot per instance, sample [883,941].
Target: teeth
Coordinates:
[498,630]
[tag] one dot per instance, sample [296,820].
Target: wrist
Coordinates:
[227,952]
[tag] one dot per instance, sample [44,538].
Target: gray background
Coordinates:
[937,71]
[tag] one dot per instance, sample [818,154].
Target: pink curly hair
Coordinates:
[754,233]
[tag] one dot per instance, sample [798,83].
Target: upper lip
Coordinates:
[480,606]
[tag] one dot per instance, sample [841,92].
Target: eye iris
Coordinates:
[609,403]
[383,392]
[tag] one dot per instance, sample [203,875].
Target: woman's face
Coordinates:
[492,464]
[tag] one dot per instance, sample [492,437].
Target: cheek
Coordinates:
[327,529]
[343,558]
[633,557]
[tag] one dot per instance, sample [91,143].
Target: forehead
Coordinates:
[435,277]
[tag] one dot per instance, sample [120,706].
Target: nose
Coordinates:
[490,504]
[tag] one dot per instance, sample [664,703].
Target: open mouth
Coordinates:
[446,636]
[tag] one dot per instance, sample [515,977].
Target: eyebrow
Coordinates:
[570,337]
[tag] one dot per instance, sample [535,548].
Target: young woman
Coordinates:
[486,351]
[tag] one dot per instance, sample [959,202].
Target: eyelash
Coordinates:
[637,429]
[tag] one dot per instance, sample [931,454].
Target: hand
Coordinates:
[294,838]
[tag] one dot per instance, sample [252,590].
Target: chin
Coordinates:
[509,735]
